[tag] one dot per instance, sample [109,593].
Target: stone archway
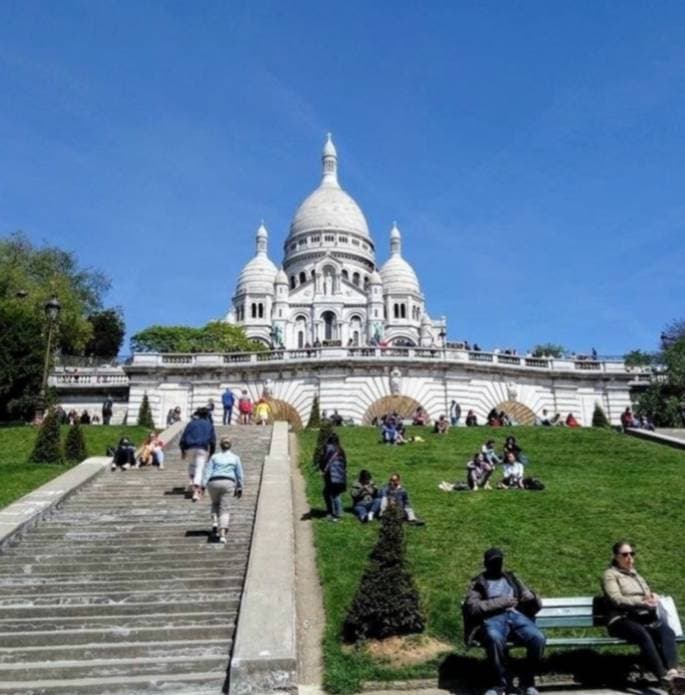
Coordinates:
[518,412]
[404,405]
[280,410]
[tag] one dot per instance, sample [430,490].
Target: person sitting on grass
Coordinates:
[442,425]
[571,421]
[478,472]
[389,430]
[633,617]
[510,444]
[513,472]
[471,419]
[420,417]
[393,494]
[365,497]
[488,451]
[124,455]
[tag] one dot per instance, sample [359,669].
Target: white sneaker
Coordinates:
[161,466]
[222,539]
[369,516]
[126,466]
[113,467]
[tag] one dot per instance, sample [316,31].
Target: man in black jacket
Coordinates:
[498,609]
[198,441]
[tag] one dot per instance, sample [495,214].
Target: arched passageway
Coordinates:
[404,405]
[280,410]
[517,412]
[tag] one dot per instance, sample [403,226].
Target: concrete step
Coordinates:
[115,633]
[120,650]
[220,583]
[110,667]
[207,683]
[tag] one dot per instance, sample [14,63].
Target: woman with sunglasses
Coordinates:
[632,616]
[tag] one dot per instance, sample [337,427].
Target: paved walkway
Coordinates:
[121,591]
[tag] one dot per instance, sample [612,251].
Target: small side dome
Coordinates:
[259,274]
[281,277]
[375,278]
[397,275]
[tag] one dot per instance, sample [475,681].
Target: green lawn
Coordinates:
[601,486]
[16,443]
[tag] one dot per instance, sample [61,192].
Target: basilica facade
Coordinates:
[329,290]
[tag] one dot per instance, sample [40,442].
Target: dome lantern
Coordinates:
[329,159]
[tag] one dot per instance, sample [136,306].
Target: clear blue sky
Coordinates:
[533,153]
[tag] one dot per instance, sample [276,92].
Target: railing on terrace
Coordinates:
[88,379]
[338,353]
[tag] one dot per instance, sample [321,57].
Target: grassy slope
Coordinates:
[601,486]
[16,443]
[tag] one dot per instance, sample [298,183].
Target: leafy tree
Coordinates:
[599,418]
[638,358]
[75,444]
[387,600]
[108,334]
[216,336]
[29,276]
[47,448]
[315,414]
[325,431]
[548,350]
[145,414]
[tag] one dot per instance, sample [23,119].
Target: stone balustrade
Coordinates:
[363,354]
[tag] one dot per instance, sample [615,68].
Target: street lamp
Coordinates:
[52,308]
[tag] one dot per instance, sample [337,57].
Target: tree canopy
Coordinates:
[548,350]
[29,276]
[216,336]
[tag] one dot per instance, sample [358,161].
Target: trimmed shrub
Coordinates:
[314,415]
[325,431]
[599,418]
[145,414]
[48,448]
[75,445]
[387,600]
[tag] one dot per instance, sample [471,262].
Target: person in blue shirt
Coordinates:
[223,478]
[227,400]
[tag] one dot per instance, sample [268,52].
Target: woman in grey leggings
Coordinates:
[223,478]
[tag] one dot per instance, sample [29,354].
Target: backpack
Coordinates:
[533,484]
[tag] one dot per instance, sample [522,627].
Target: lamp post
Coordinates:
[52,308]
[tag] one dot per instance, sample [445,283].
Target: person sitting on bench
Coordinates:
[633,617]
[498,609]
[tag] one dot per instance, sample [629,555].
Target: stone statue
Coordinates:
[512,391]
[395,381]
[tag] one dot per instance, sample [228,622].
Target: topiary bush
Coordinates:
[387,600]
[325,432]
[599,418]
[314,415]
[75,445]
[48,448]
[145,414]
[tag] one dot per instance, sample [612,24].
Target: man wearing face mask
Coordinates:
[498,609]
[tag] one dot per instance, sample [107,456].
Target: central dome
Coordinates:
[329,209]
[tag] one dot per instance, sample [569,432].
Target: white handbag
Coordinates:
[667,612]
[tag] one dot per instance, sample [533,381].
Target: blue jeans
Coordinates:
[332,495]
[228,412]
[361,509]
[514,626]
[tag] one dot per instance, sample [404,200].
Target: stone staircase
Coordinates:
[122,592]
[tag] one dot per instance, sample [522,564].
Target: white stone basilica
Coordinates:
[329,291]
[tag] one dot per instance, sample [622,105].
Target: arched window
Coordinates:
[300,339]
[403,311]
[292,282]
[366,282]
[345,274]
[303,277]
[396,310]
[254,310]
[355,279]
[260,308]
[301,330]
[330,326]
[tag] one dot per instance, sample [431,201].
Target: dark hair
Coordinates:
[510,440]
[616,547]
[364,475]
[490,441]
[202,412]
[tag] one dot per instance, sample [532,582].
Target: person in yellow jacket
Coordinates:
[262,412]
